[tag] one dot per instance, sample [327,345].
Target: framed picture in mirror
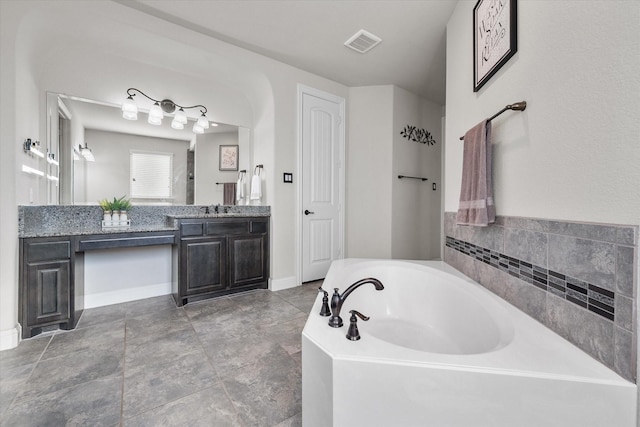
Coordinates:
[228,158]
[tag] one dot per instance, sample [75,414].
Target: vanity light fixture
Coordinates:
[86,152]
[160,107]
[32,147]
[51,159]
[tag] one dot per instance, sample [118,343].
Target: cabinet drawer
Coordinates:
[48,251]
[191,229]
[227,227]
[259,227]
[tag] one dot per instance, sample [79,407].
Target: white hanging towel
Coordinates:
[240,189]
[256,187]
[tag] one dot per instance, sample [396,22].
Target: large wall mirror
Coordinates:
[94,154]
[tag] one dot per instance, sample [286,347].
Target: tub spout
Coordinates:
[335,321]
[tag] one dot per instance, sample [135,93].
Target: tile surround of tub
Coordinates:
[578,279]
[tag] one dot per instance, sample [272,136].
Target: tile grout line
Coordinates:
[35,364]
[215,369]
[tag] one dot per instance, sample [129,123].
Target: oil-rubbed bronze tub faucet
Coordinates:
[335,321]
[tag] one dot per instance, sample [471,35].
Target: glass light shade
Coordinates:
[87,154]
[214,124]
[129,105]
[176,124]
[180,117]
[198,129]
[203,122]
[129,115]
[154,120]
[156,112]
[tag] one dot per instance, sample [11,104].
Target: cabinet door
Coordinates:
[48,287]
[204,265]
[247,259]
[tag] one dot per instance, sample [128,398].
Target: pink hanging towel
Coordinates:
[476,195]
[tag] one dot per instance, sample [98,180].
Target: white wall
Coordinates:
[388,217]
[416,208]
[368,174]
[573,153]
[109,175]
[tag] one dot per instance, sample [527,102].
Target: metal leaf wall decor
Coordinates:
[415,134]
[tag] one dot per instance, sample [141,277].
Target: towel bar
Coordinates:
[518,106]
[412,177]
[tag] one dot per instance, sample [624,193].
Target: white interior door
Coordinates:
[322,184]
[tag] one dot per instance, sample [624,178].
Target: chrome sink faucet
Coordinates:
[335,321]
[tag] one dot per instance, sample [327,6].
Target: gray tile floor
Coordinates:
[230,361]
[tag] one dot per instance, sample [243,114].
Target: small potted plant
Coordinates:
[107,210]
[124,205]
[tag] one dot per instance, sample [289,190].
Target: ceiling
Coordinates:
[310,35]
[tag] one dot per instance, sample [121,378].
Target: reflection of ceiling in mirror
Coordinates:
[101,116]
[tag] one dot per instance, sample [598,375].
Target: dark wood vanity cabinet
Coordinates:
[48,289]
[219,256]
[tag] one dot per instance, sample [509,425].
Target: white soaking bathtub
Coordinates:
[441,350]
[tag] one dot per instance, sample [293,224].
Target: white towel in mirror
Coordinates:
[256,187]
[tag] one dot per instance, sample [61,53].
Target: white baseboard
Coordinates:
[10,338]
[125,295]
[283,283]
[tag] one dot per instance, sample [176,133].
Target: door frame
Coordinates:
[307,90]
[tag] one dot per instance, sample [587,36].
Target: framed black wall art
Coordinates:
[495,37]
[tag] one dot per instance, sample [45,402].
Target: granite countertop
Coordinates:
[65,220]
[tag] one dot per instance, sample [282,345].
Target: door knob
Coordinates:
[308,212]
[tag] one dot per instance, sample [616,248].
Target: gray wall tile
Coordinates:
[491,237]
[526,245]
[628,236]
[624,312]
[625,260]
[527,298]
[602,232]
[588,260]
[625,355]
[588,331]
[527,223]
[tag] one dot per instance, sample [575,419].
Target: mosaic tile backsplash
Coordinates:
[578,279]
[586,295]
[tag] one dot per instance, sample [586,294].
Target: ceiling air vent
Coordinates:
[362,41]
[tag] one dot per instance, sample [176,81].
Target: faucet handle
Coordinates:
[360,315]
[353,334]
[324,311]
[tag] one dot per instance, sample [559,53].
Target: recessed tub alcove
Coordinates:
[442,350]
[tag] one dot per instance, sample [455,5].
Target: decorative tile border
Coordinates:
[589,296]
